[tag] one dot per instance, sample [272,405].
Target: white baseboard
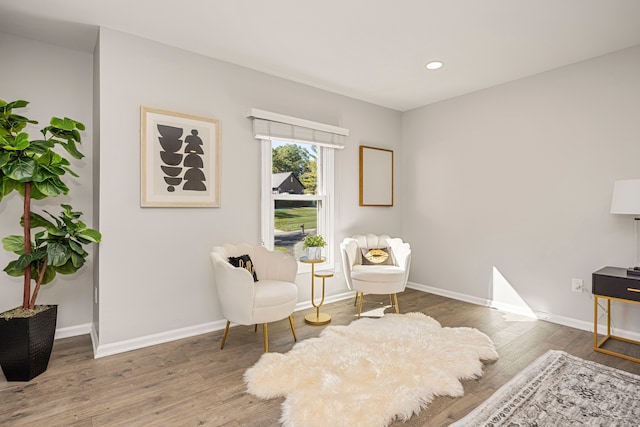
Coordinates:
[102,350]
[448,294]
[72,331]
[507,308]
[163,337]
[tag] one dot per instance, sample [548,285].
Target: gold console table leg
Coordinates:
[318,318]
[597,344]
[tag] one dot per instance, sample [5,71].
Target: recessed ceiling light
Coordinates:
[434,65]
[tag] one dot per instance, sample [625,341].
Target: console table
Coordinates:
[613,283]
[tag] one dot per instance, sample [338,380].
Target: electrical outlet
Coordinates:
[577,285]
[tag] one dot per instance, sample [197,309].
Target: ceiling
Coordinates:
[374,51]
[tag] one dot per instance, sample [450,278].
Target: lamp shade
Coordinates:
[626,197]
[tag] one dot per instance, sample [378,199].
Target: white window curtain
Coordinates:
[274,126]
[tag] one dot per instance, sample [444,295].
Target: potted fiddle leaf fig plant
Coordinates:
[313,244]
[49,243]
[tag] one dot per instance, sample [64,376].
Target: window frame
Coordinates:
[325,171]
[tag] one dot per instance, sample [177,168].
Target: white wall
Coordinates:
[57,82]
[519,177]
[155,274]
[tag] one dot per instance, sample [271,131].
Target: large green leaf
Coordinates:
[77,248]
[14,244]
[20,103]
[71,148]
[35,193]
[5,157]
[51,164]
[58,232]
[38,220]
[17,143]
[45,158]
[49,275]
[83,240]
[18,122]
[62,135]
[54,169]
[74,225]
[7,185]
[72,173]
[23,169]
[90,234]
[57,253]
[67,211]
[59,224]
[64,124]
[53,158]
[77,260]
[22,141]
[13,270]
[23,261]
[67,268]
[39,254]
[52,187]
[40,146]
[43,174]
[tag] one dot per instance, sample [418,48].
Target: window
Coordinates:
[297,181]
[299,202]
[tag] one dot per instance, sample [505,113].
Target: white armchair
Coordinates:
[382,275]
[273,297]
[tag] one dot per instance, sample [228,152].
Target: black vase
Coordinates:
[26,343]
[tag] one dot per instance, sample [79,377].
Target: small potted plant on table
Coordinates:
[48,245]
[313,245]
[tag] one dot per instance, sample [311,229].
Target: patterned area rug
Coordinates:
[559,389]
[371,371]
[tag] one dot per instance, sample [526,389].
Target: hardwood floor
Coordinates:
[191,382]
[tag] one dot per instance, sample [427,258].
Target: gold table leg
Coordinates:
[317,318]
[597,344]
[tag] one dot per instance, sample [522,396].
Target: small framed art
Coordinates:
[376,176]
[180,160]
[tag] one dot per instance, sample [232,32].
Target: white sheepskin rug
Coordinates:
[370,372]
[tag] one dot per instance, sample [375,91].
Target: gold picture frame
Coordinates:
[180,159]
[376,176]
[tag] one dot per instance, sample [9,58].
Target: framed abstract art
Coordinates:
[180,160]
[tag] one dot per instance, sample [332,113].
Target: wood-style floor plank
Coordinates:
[191,382]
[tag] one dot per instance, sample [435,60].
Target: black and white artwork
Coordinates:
[180,159]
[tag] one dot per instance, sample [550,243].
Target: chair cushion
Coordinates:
[245,262]
[376,256]
[377,273]
[270,293]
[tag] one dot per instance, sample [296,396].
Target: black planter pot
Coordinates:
[26,343]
